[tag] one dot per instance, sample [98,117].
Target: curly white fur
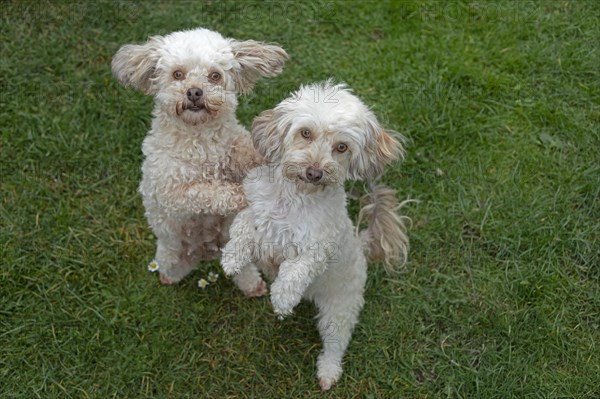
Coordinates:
[196,152]
[296,229]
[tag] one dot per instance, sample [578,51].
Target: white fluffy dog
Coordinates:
[296,228]
[196,153]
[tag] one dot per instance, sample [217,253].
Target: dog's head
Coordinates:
[196,75]
[323,134]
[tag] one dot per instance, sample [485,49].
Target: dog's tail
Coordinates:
[385,237]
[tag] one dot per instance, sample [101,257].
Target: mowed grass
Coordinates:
[500,102]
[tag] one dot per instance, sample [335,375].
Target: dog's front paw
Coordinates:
[237,199]
[283,299]
[230,263]
[243,157]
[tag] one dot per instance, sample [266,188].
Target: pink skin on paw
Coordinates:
[166,280]
[326,384]
[258,291]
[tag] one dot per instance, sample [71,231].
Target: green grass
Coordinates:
[501,296]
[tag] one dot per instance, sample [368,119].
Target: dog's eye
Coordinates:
[178,75]
[305,133]
[341,147]
[215,76]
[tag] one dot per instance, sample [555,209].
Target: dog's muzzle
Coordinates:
[194,100]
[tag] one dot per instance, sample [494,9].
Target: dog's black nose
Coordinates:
[194,94]
[313,174]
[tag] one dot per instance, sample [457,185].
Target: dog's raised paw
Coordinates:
[229,263]
[284,299]
[282,313]
[230,268]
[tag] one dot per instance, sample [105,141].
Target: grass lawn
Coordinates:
[500,102]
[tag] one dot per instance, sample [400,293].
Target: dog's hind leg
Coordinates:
[173,261]
[338,314]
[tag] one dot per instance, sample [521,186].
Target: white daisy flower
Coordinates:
[213,277]
[153,266]
[202,283]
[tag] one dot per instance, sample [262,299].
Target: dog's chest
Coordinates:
[286,226]
[195,159]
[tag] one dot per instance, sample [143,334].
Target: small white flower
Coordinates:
[213,277]
[202,283]
[153,266]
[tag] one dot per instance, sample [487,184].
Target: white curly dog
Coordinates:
[296,228]
[196,152]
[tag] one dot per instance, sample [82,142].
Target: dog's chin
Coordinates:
[194,114]
[309,187]
[196,108]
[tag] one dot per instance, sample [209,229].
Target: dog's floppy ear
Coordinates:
[135,64]
[266,135]
[382,148]
[256,59]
